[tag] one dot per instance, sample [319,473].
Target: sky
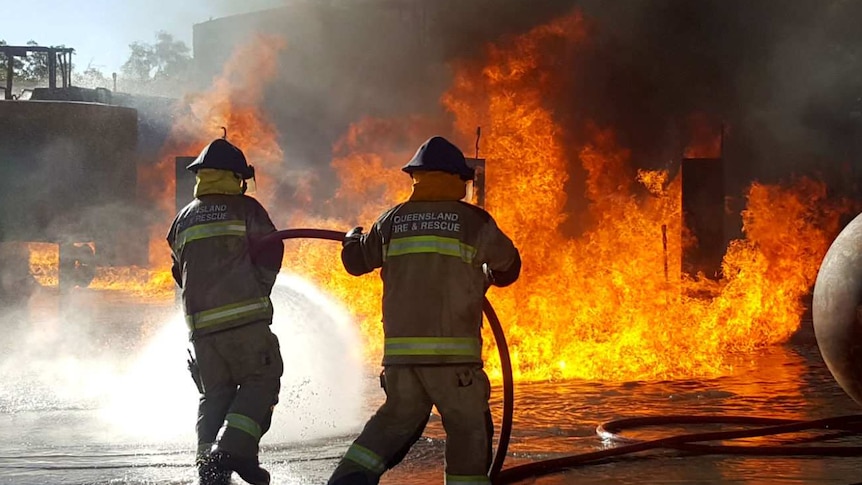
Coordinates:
[100,31]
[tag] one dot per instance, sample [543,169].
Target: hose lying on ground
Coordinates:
[692,443]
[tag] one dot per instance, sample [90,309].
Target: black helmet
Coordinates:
[439,155]
[221,155]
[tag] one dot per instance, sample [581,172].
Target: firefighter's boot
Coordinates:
[211,473]
[248,469]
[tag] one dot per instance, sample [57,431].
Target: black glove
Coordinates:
[353,236]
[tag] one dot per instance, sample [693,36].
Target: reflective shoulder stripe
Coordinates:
[447,246]
[229,313]
[467,346]
[211,229]
[243,423]
[467,480]
[365,458]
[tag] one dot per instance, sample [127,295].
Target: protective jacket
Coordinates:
[432,254]
[225,274]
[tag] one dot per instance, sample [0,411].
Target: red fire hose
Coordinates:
[691,443]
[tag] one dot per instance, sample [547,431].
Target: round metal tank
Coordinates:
[837,306]
[68,174]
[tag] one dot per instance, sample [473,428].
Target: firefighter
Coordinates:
[438,257]
[226,277]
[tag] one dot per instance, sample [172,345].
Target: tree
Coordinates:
[167,59]
[141,62]
[36,64]
[91,77]
[172,57]
[17,65]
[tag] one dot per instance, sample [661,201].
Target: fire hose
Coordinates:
[611,431]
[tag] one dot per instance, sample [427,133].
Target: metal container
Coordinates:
[837,309]
[67,176]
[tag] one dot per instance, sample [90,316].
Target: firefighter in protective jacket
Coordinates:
[438,256]
[226,277]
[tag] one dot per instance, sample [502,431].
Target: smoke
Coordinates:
[761,68]
[69,176]
[63,353]
[122,367]
[782,77]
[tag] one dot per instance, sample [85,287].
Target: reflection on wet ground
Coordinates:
[52,428]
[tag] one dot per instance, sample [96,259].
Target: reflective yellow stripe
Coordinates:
[228,313]
[365,458]
[211,229]
[243,423]
[467,480]
[432,346]
[447,246]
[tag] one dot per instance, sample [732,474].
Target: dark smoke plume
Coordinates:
[783,77]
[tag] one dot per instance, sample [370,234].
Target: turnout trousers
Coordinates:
[240,371]
[460,392]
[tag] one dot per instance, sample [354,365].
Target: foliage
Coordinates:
[17,65]
[165,60]
[91,78]
[155,68]
[32,68]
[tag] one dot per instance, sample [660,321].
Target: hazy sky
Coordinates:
[100,31]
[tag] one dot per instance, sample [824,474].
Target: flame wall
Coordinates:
[593,301]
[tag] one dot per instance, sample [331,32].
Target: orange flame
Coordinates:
[44,259]
[44,264]
[232,102]
[599,306]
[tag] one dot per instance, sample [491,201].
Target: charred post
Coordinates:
[703,216]
[10,71]
[52,69]
[477,195]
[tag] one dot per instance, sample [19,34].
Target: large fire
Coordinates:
[608,303]
[600,305]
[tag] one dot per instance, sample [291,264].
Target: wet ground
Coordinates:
[93,390]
